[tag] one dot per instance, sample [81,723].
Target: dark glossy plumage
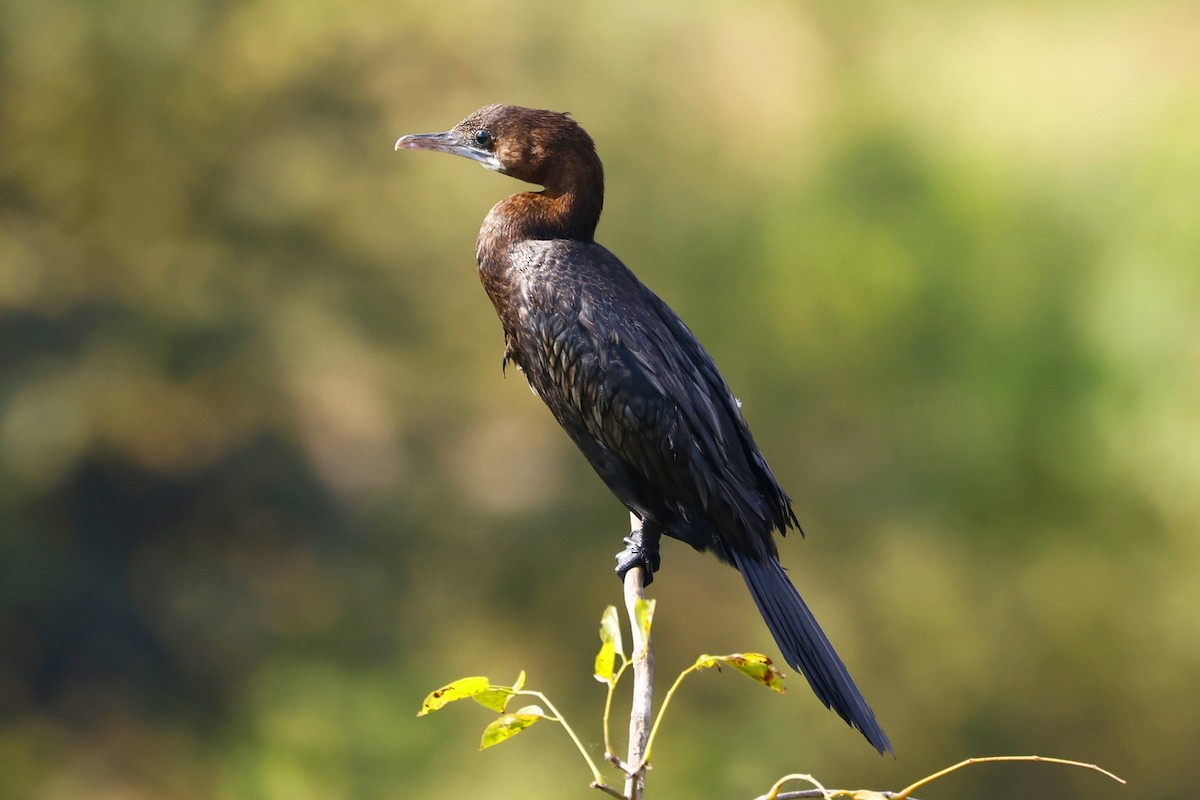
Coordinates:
[628,381]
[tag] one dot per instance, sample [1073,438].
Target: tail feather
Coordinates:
[805,646]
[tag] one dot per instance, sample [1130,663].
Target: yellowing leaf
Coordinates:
[643,613]
[610,645]
[753,665]
[610,629]
[510,725]
[458,690]
[520,682]
[605,662]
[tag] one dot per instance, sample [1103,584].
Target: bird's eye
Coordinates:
[484,139]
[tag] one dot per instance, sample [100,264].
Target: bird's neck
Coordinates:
[541,215]
[567,208]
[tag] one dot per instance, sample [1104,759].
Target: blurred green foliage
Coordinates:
[262,485]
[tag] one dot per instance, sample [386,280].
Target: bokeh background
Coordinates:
[263,485]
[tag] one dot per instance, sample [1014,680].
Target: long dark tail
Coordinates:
[805,646]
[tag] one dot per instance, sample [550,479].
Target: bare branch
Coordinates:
[608,790]
[643,681]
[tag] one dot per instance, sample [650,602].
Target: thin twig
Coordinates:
[807,794]
[904,793]
[604,787]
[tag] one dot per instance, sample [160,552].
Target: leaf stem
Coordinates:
[906,793]
[663,710]
[558,717]
[612,685]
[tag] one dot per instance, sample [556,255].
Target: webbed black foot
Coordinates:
[641,550]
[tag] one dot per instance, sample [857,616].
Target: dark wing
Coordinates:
[644,401]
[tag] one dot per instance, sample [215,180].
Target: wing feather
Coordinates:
[635,389]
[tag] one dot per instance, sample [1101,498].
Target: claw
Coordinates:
[640,551]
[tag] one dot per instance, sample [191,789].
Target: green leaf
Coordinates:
[510,725]
[755,666]
[519,684]
[458,690]
[496,698]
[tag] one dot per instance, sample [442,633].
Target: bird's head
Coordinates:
[547,148]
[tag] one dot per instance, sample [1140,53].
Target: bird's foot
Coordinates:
[640,551]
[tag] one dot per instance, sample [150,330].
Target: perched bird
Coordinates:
[629,383]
